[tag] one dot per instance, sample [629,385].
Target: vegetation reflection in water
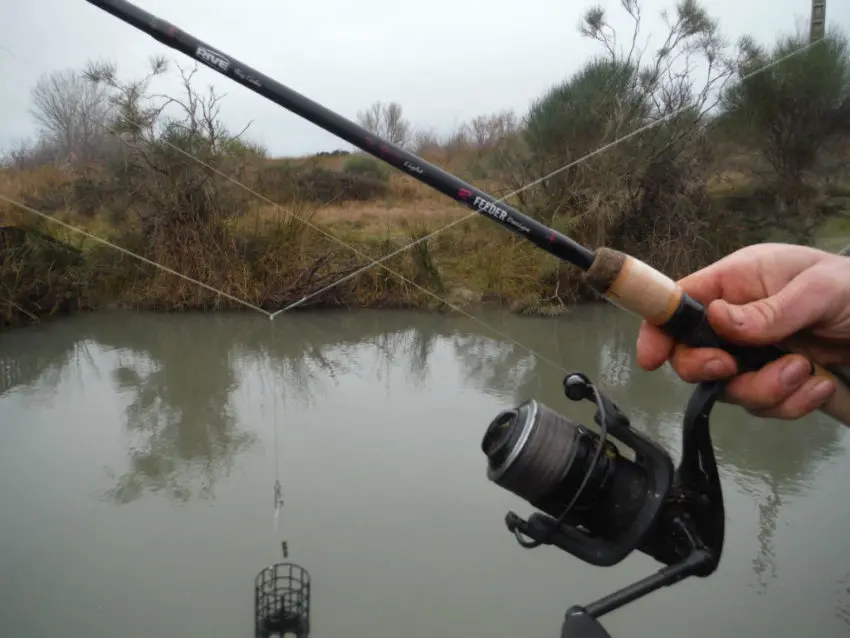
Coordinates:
[183,377]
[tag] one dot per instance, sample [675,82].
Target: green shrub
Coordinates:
[790,112]
[365,166]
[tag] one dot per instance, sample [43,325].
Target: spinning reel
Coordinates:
[599,501]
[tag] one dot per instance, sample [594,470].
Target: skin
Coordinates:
[766,294]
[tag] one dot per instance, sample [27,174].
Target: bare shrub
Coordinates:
[71,113]
[387,121]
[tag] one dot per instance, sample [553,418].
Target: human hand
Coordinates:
[759,295]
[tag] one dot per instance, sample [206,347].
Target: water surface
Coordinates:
[138,456]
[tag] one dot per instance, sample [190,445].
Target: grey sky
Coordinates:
[444,60]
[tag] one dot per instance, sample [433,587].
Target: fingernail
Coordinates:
[715,368]
[736,315]
[795,372]
[820,391]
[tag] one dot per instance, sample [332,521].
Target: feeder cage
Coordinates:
[282,601]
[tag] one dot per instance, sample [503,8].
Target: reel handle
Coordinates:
[578,623]
[640,289]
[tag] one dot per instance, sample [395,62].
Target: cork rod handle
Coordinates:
[642,290]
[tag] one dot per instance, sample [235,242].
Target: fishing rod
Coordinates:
[597,501]
[622,279]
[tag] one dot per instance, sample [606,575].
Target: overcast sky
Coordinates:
[445,61]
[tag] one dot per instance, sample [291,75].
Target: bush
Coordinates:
[38,276]
[789,112]
[322,185]
[366,166]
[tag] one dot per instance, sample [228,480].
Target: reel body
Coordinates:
[600,501]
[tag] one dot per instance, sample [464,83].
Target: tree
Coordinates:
[486,131]
[72,113]
[790,111]
[387,121]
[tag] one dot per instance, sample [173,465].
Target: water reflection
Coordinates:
[181,431]
[180,372]
[776,461]
[842,607]
[25,367]
[199,392]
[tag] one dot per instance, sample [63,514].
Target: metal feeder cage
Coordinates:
[282,601]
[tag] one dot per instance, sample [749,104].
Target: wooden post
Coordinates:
[818,20]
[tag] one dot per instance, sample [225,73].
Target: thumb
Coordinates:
[798,305]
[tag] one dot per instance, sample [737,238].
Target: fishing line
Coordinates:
[598,151]
[372,263]
[247,189]
[264,312]
[327,234]
[601,149]
[130,253]
[278,488]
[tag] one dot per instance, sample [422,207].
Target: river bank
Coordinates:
[274,257]
[277,260]
[103,237]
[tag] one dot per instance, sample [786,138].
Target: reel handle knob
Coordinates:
[577,387]
[578,623]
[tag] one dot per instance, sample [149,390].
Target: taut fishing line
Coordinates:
[278,487]
[569,165]
[130,253]
[372,263]
[329,235]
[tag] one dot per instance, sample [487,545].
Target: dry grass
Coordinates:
[377,218]
[267,256]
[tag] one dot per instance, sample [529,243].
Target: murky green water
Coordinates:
[138,455]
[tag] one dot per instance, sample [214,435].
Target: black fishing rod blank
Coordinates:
[620,278]
[551,241]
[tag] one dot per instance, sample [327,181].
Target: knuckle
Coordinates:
[754,391]
[688,376]
[769,311]
[686,367]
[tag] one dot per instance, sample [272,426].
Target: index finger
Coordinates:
[654,346]
[750,274]
[724,279]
